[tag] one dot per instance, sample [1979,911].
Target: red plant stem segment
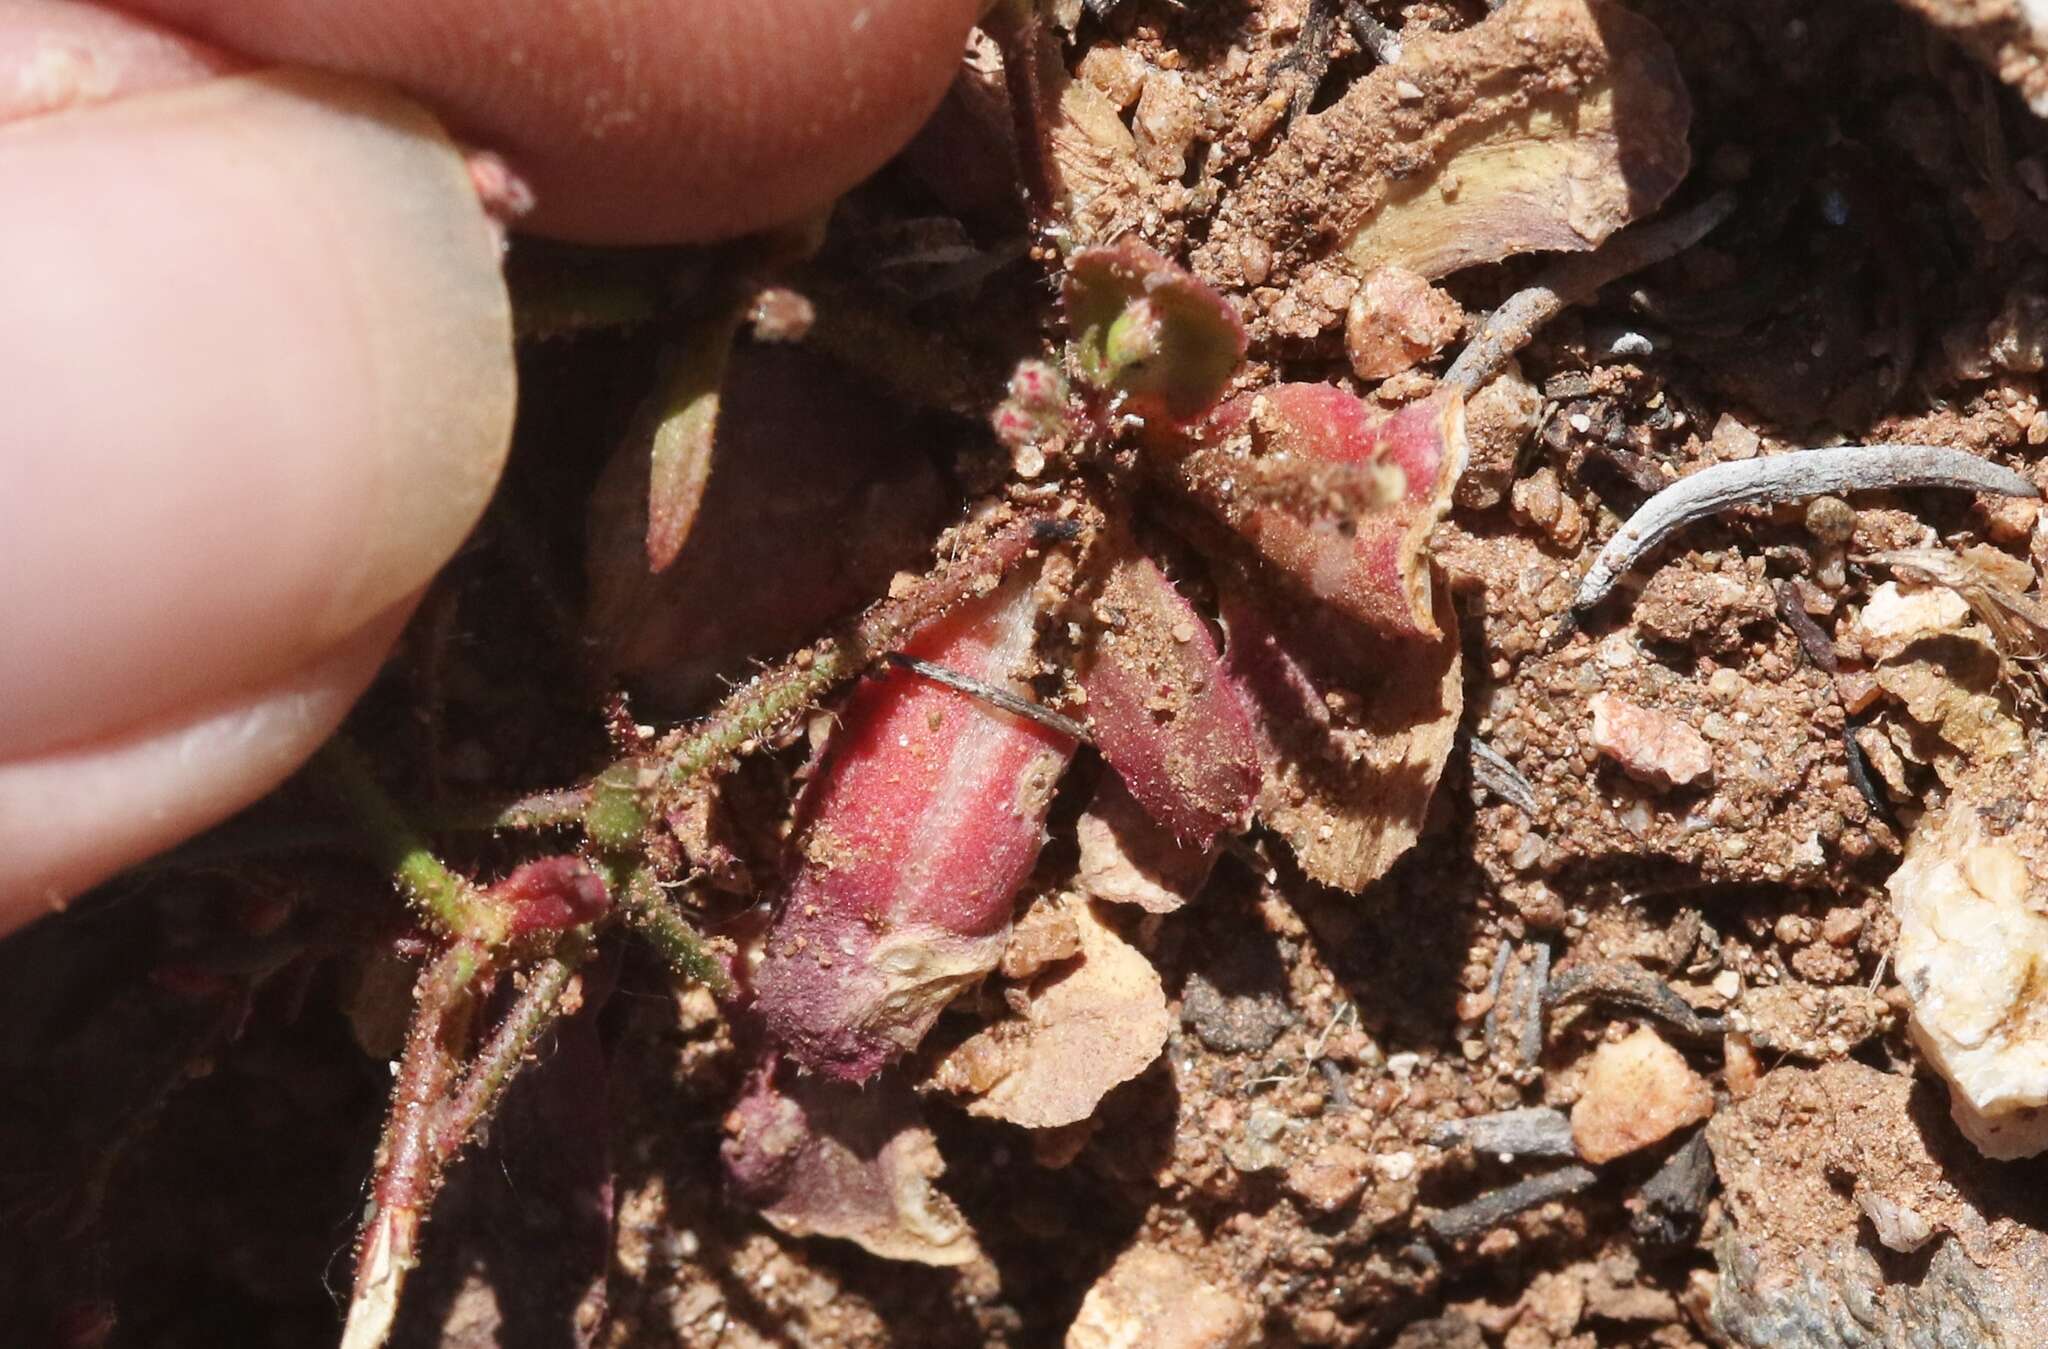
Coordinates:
[1164,712]
[1366,561]
[408,1162]
[924,819]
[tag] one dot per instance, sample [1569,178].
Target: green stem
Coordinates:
[538,1007]
[451,901]
[655,916]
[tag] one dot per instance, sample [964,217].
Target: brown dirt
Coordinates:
[187,1154]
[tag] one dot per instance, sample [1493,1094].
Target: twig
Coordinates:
[1495,1207]
[1574,279]
[1529,1131]
[1819,648]
[457,906]
[1383,42]
[1635,988]
[993,696]
[1538,999]
[1491,770]
[408,1162]
[773,698]
[1783,477]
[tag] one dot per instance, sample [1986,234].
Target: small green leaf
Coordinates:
[1151,331]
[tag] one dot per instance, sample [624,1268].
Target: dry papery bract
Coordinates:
[825,1159]
[1080,1027]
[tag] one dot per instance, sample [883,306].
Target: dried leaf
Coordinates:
[1149,330]
[685,431]
[822,1158]
[1994,584]
[1950,685]
[1282,468]
[802,447]
[1127,857]
[1082,1030]
[913,838]
[1162,710]
[1356,732]
[1550,125]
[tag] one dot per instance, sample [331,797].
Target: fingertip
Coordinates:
[638,122]
[257,363]
[71,818]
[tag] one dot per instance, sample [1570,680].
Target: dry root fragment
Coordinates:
[1083,1029]
[1355,729]
[912,841]
[825,1159]
[1162,710]
[1548,126]
[1127,857]
[1785,477]
[1972,955]
[1333,492]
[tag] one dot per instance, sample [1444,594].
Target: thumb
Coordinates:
[256,362]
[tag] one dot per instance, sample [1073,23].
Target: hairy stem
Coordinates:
[408,1170]
[657,918]
[437,892]
[537,1008]
[774,698]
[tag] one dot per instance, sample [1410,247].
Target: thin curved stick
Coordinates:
[1566,283]
[1784,477]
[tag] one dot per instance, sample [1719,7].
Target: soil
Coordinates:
[197,1059]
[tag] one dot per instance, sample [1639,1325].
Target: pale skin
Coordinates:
[255,354]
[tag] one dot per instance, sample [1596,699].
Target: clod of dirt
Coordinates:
[1330,1178]
[1243,1023]
[1894,618]
[1153,1299]
[1500,416]
[1636,1092]
[1971,951]
[1082,1030]
[821,1158]
[1548,126]
[1815,1155]
[1809,1021]
[1396,321]
[1650,746]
